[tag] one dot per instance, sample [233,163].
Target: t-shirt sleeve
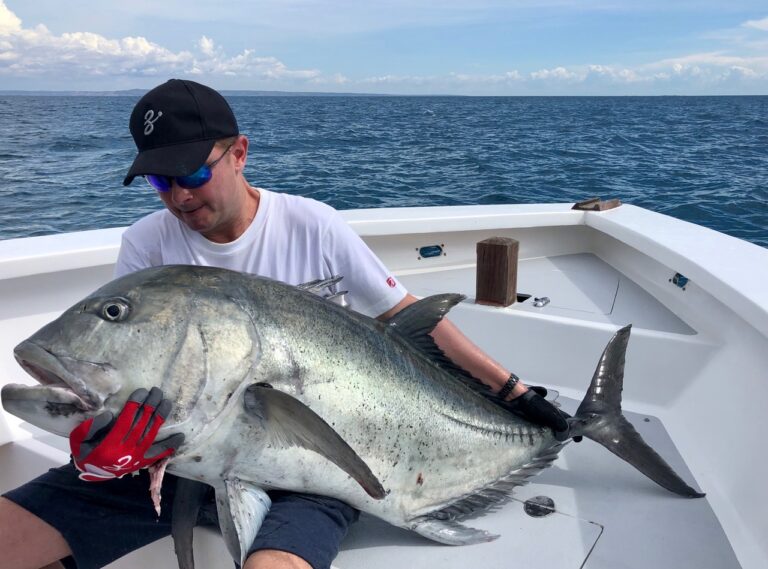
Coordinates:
[372,288]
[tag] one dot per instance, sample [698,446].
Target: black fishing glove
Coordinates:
[540,389]
[532,407]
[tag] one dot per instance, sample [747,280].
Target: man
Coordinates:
[192,153]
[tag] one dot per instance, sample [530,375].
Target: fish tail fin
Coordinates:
[600,419]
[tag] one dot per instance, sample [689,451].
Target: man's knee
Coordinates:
[26,540]
[301,531]
[275,559]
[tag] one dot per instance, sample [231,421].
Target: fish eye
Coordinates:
[114,310]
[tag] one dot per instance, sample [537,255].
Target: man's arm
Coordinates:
[468,356]
[463,352]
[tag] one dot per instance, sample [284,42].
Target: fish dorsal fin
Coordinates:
[417,320]
[241,507]
[415,323]
[319,284]
[288,422]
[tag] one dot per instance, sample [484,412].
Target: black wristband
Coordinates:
[508,387]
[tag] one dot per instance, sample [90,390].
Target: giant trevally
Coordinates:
[275,387]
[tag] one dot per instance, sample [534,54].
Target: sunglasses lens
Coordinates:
[160,183]
[196,179]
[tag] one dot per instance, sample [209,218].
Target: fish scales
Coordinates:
[386,400]
[276,388]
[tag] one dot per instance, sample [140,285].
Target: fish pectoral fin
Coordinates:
[291,423]
[241,507]
[449,532]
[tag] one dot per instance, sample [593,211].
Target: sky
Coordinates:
[452,47]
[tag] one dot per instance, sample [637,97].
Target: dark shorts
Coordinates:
[102,521]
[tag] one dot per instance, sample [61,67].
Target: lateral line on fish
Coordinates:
[525,432]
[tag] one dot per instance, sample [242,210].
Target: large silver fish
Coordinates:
[275,387]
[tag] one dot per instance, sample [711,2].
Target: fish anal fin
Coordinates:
[449,532]
[499,492]
[288,422]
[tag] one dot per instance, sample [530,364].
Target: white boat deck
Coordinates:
[607,516]
[694,382]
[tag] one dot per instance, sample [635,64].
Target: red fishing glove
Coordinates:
[104,449]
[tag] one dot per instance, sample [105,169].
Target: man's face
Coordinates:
[215,209]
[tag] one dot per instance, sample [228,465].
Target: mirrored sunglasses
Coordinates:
[198,178]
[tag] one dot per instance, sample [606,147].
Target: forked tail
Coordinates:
[599,418]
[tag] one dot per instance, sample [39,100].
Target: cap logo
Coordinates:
[149,121]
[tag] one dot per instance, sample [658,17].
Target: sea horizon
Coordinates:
[269,93]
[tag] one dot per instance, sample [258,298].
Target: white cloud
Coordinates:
[696,70]
[37,53]
[615,75]
[558,74]
[757,24]
[9,22]
[31,52]
[710,69]
[712,72]
[206,45]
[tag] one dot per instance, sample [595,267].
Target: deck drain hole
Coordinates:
[539,506]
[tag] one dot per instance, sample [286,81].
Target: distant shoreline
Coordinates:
[140,92]
[255,93]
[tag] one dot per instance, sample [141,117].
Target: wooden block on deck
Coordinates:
[596,204]
[497,271]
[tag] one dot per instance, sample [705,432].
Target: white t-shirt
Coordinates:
[291,239]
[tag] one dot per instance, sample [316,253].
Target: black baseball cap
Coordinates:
[175,126]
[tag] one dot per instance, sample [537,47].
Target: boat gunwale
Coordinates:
[726,267]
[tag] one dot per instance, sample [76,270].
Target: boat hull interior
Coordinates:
[695,377]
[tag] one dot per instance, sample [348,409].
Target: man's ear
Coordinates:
[240,152]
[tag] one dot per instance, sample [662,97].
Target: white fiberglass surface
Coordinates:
[578,286]
[701,372]
[608,516]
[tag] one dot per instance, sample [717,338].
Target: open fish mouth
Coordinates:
[61,389]
[53,390]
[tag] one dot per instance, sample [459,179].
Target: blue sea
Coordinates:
[702,159]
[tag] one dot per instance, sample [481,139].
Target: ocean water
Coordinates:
[702,159]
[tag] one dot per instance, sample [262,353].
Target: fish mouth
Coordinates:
[58,385]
